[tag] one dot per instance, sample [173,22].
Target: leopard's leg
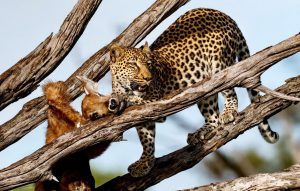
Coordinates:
[143,166]
[210,110]
[230,106]
[231,102]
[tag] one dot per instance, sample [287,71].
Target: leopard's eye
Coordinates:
[133,65]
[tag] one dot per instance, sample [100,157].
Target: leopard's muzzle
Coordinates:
[139,86]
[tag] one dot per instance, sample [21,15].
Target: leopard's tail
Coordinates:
[264,128]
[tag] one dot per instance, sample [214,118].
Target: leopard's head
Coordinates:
[130,67]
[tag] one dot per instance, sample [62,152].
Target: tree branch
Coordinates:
[285,180]
[33,112]
[111,128]
[22,78]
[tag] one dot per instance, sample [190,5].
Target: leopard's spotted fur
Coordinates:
[199,44]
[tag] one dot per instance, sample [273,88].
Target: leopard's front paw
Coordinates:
[200,135]
[228,116]
[193,139]
[141,167]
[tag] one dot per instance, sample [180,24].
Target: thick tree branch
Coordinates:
[33,112]
[21,79]
[288,179]
[111,128]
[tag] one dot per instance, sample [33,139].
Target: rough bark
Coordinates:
[33,112]
[288,179]
[244,73]
[22,78]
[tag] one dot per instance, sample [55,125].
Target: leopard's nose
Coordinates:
[142,88]
[147,78]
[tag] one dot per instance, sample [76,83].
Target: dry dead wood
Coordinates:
[245,73]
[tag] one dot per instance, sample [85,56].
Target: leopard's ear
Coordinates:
[115,52]
[146,48]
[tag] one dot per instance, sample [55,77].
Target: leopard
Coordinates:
[199,44]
